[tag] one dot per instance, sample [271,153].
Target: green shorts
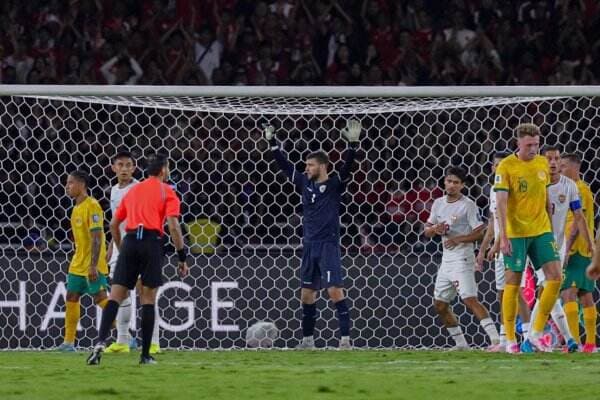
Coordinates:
[80,284]
[574,274]
[541,249]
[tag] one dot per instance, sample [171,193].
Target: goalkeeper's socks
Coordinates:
[108,317]
[490,328]
[458,336]
[147,328]
[123,320]
[71,319]
[344,317]
[309,314]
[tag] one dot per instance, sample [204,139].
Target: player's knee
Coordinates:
[336,294]
[308,296]
[72,296]
[440,307]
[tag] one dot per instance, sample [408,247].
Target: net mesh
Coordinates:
[242,218]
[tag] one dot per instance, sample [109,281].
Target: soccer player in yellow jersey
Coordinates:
[521,185]
[88,268]
[579,249]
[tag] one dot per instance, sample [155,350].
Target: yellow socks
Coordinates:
[547,300]
[102,303]
[572,313]
[71,321]
[589,320]
[509,311]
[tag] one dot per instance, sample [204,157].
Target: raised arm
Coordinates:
[352,135]
[284,165]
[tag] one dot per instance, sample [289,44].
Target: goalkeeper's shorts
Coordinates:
[321,265]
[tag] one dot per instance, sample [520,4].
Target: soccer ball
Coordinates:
[261,335]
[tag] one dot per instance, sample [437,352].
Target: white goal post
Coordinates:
[242,218]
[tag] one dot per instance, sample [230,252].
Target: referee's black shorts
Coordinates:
[140,256]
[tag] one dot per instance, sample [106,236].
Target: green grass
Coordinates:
[301,375]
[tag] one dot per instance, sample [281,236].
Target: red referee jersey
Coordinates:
[148,203]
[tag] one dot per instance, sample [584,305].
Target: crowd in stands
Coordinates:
[300,42]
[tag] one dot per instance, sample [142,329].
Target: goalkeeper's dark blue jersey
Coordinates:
[320,201]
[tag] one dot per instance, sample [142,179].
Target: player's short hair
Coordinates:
[459,172]
[527,129]
[501,155]
[123,154]
[81,176]
[548,148]
[320,156]
[572,157]
[155,163]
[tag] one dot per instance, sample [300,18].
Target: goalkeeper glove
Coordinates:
[269,132]
[352,131]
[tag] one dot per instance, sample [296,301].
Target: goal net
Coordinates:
[242,218]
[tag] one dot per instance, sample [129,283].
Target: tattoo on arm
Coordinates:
[96,244]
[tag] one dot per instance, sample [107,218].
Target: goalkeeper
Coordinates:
[321,256]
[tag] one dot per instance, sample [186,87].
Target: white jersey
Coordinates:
[564,196]
[494,212]
[116,195]
[461,218]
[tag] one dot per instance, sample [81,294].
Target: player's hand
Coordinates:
[440,229]
[269,132]
[451,243]
[505,246]
[93,273]
[352,130]
[479,260]
[183,269]
[492,252]
[593,271]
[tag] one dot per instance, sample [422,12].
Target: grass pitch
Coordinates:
[301,375]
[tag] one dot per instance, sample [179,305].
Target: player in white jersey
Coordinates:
[564,196]
[456,219]
[493,254]
[124,166]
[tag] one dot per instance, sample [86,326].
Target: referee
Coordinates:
[145,208]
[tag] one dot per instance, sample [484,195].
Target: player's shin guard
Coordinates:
[147,328]
[309,314]
[123,320]
[589,320]
[108,317]
[344,317]
[71,319]
[547,301]
[572,312]
[509,311]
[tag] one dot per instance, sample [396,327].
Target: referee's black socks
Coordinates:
[109,313]
[147,328]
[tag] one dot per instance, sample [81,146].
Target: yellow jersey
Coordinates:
[526,183]
[587,207]
[87,217]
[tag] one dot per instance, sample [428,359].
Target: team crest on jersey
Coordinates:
[542,175]
[322,188]
[95,218]
[562,198]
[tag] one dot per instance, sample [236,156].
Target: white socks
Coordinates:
[123,319]
[156,331]
[490,328]
[458,336]
[558,315]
